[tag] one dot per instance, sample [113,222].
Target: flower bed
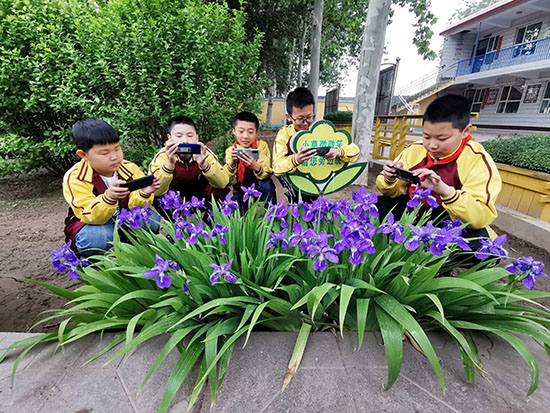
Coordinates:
[296,267]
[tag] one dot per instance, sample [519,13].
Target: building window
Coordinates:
[532,93]
[492,96]
[510,99]
[528,33]
[476,96]
[545,107]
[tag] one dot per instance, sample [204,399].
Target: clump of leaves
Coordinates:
[530,152]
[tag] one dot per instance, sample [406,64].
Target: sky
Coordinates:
[411,65]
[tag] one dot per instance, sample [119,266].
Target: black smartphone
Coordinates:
[139,183]
[406,175]
[255,153]
[322,150]
[188,149]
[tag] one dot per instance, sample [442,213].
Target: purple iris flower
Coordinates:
[495,247]
[224,269]
[302,236]
[180,226]
[229,206]
[455,223]
[394,228]
[323,251]
[342,207]
[172,200]
[295,209]
[528,267]
[356,246]
[135,218]
[160,270]
[357,227]
[279,211]
[195,230]
[365,202]
[251,191]
[71,261]
[421,234]
[197,203]
[276,238]
[220,230]
[422,194]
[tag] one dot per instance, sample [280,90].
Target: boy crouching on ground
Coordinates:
[242,168]
[199,175]
[464,177]
[93,187]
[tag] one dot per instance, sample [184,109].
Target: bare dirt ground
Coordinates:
[32,211]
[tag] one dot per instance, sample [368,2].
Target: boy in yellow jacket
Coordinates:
[94,187]
[463,176]
[242,169]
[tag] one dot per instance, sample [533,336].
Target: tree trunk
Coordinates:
[302,50]
[290,65]
[270,94]
[372,49]
[316,48]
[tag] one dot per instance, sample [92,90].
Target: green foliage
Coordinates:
[134,64]
[530,152]
[393,289]
[469,7]
[339,116]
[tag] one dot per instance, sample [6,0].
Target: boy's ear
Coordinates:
[81,154]
[466,130]
[288,117]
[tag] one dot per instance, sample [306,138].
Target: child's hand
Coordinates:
[170,149]
[234,158]
[249,161]
[201,157]
[151,189]
[389,173]
[304,154]
[332,154]
[116,191]
[434,180]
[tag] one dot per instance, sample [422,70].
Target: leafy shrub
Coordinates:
[530,152]
[134,64]
[339,116]
[300,267]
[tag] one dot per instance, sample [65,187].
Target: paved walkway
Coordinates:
[332,378]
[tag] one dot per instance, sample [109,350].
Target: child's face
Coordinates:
[245,132]
[442,139]
[184,134]
[302,118]
[104,159]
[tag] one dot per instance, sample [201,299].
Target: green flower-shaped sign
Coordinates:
[318,175]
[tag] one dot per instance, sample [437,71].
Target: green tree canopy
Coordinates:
[470,7]
[133,63]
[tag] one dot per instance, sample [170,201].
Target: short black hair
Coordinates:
[180,120]
[449,108]
[246,117]
[93,131]
[299,98]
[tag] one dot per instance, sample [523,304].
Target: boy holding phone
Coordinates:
[300,111]
[463,176]
[95,187]
[192,174]
[241,166]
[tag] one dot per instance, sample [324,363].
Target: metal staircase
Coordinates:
[423,87]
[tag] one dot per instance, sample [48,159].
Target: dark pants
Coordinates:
[268,194]
[398,206]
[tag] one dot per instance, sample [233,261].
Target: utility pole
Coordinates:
[316,48]
[372,49]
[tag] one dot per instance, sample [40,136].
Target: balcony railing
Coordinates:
[515,55]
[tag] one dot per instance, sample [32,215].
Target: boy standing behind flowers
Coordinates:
[242,168]
[463,177]
[93,187]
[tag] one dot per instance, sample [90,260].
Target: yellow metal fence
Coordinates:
[395,133]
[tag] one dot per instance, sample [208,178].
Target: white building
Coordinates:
[499,58]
